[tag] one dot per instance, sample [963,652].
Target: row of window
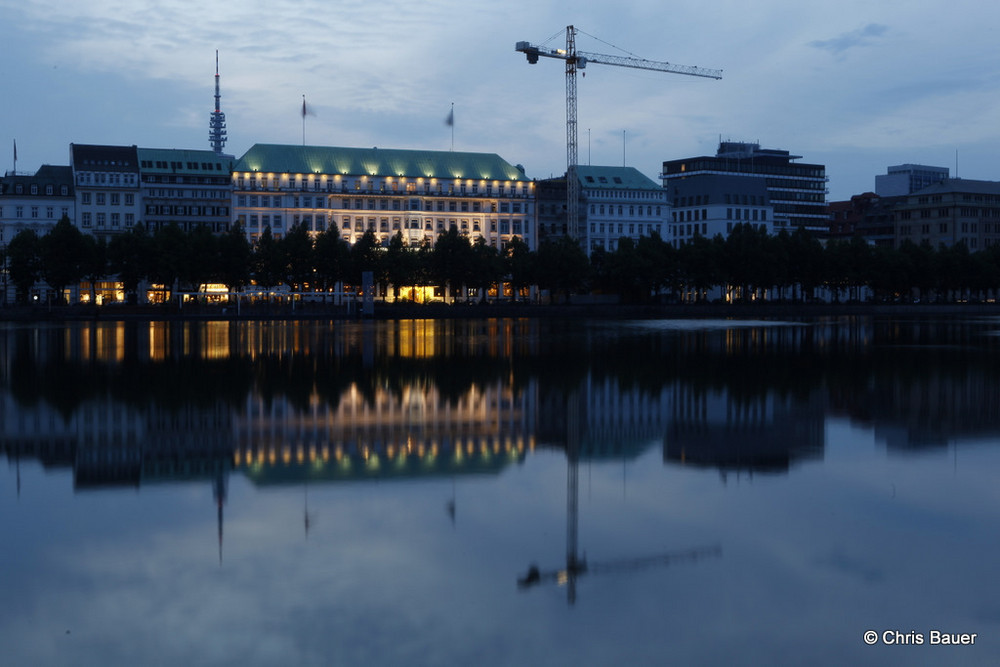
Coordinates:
[371,204]
[371,185]
[49,189]
[633,229]
[598,209]
[320,222]
[205,211]
[189,194]
[50,212]
[102,219]
[163,164]
[624,194]
[100,198]
[100,178]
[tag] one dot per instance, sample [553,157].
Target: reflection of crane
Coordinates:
[575,565]
[578,60]
[571,572]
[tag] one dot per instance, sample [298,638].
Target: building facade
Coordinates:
[36,201]
[186,187]
[945,214]
[796,191]
[419,194]
[847,217]
[106,179]
[711,204]
[33,202]
[614,202]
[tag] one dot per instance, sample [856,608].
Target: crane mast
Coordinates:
[577,60]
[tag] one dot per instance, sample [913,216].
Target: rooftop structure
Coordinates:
[905,179]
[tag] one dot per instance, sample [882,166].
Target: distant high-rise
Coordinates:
[905,179]
[795,191]
[217,120]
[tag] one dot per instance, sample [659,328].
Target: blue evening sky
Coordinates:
[855,85]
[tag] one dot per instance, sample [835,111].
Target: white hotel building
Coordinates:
[420,194]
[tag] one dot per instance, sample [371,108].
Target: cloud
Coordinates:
[864,36]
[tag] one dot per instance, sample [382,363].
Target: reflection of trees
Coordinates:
[861,367]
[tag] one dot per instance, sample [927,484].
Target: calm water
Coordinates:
[413,493]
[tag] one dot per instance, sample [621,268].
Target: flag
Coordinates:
[15,150]
[306,110]
[450,120]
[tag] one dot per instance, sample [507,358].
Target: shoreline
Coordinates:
[492,311]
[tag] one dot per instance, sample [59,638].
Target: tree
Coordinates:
[562,266]
[234,258]
[657,261]
[452,260]
[24,262]
[487,267]
[519,265]
[170,257]
[699,265]
[332,256]
[400,266]
[94,262]
[297,257]
[61,251]
[129,256]
[806,259]
[364,256]
[201,265]
[266,260]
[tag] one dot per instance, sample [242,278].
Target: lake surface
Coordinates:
[500,492]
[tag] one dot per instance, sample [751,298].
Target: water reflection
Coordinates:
[128,403]
[595,456]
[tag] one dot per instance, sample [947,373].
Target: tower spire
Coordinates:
[217,120]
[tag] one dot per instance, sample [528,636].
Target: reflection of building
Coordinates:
[758,433]
[412,432]
[603,419]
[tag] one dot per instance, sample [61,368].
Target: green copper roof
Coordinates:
[274,158]
[616,178]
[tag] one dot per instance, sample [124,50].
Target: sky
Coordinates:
[854,85]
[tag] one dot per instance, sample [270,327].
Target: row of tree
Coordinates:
[745,264]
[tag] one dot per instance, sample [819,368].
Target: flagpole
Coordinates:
[303,120]
[453,126]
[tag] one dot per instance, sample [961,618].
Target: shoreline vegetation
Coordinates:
[389,311]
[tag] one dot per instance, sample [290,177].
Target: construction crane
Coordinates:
[577,60]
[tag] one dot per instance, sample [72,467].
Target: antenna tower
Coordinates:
[217,119]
